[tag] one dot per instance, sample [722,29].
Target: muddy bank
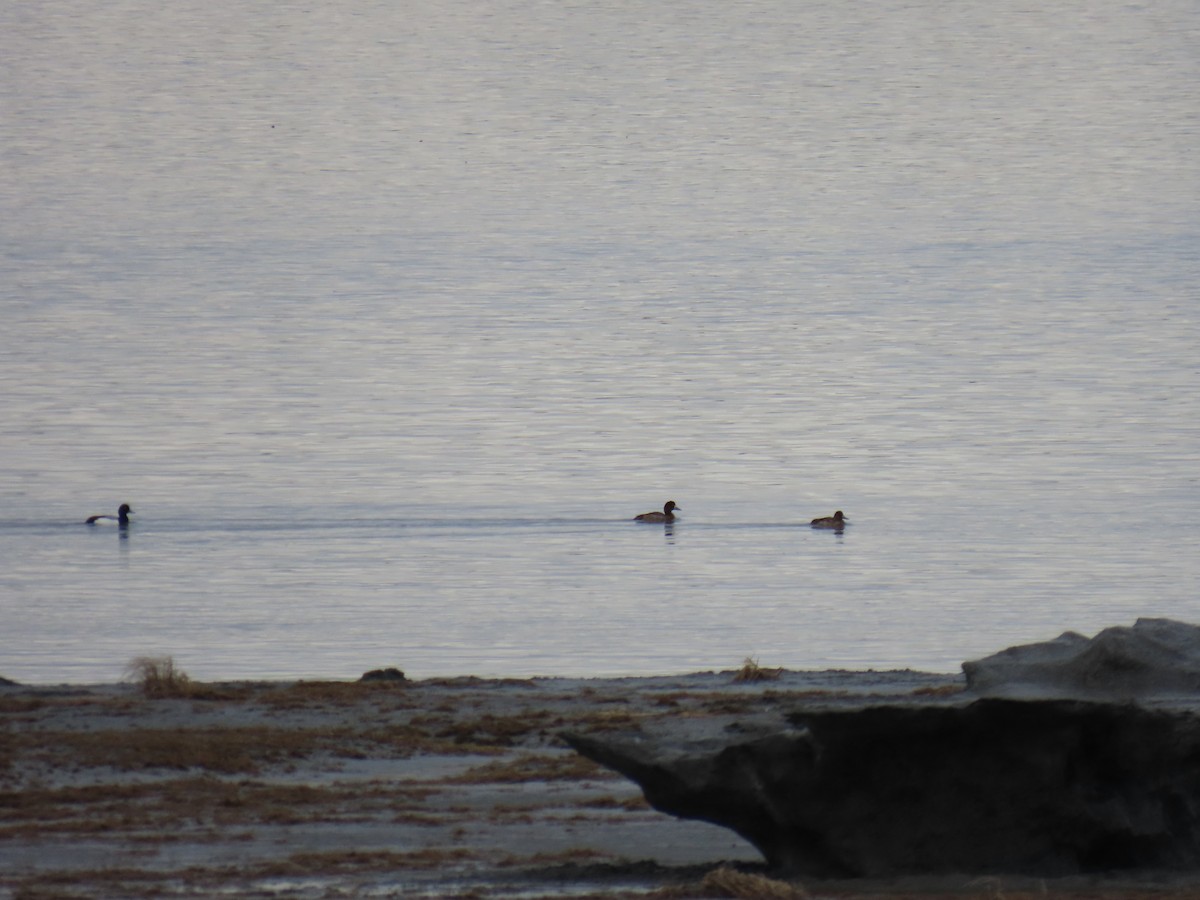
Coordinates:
[455,787]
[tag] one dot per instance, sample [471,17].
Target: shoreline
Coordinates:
[7,683]
[439,787]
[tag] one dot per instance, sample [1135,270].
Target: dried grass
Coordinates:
[943,690]
[224,749]
[317,694]
[227,750]
[531,767]
[159,678]
[752,671]
[340,862]
[491,730]
[729,882]
[156,811]
[570,856]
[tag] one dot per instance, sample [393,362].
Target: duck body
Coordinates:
[667,514]
[837,521]
[121,518]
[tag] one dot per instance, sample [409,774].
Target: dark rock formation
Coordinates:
[1155,657]
[1036,787]
[389,674]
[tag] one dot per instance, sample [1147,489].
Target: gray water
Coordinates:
[387,317]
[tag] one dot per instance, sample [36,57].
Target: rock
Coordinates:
[1154,657]
[1051,787]
[390,674]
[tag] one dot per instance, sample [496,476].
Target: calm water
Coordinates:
[387,318]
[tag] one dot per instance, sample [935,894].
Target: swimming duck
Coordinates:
[837,521]
[121,518]
[667,514]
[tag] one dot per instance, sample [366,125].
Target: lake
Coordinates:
[387,319]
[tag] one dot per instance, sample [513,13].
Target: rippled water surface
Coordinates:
[386,319]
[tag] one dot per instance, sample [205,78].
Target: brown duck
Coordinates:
[667,514]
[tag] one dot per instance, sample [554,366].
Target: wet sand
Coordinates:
[443,788]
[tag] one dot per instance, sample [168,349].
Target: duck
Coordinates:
[837,521]
[667,514]
[121,518]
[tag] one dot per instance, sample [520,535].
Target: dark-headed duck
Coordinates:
[667,514]
[837,521]
[121,518]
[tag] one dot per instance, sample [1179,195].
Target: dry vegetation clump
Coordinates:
[226,750]
[225,880]
[20,705]
[626,804]
[532,767]
[310,694]
[474,681]
[75,883]
[155,812]
[943,690]
[159,678]
[605,719]
[752,671]
[404,741]
[491,730]
[728,882]
[570,856]
[699,704]
[723,705]
[339,862]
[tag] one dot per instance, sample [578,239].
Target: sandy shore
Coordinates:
[442,788]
